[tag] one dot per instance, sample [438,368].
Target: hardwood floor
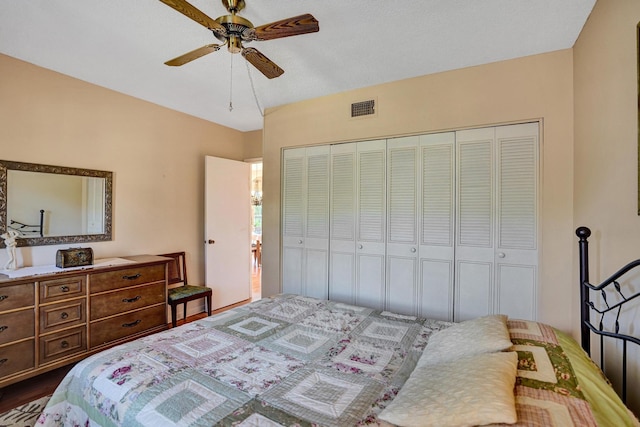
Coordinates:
[34,388]
[31,389]
[256,282]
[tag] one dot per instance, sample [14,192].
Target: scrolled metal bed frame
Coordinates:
[604,308]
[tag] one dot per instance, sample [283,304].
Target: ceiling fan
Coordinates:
[233,30]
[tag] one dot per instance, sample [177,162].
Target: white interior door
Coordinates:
[227,215]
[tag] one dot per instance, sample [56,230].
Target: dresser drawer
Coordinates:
[121,326]
[16,325]
[17,296]
[62,315]
[58,289]
[126,300]
[107,281]
[17,357]
[62,344]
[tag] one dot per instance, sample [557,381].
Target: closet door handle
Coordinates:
[360,246]
[300,241]
[501,255]
[413,250]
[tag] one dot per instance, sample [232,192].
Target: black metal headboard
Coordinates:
[605,308]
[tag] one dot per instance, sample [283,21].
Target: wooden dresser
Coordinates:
[53,319]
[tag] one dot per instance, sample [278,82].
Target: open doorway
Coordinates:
[256,229]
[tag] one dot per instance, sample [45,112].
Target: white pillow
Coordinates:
[486,334]
[474,390]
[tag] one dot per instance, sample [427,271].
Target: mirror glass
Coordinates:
[54,204]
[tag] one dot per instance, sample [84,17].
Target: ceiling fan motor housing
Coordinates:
[235,26]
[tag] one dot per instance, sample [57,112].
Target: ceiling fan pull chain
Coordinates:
[253,89]
[231,86]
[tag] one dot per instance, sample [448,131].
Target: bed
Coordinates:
[294,360]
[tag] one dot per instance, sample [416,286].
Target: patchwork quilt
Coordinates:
[290,360]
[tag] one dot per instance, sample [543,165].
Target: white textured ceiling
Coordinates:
[123,44]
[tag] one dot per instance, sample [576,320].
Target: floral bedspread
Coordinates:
[547,391]
[287,360]
[291,360]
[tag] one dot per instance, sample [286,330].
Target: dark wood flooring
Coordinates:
[34,388]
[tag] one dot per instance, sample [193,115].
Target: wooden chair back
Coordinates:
[177,268]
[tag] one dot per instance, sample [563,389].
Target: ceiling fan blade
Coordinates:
[262,63]
[294,26]
[194,54]
[194,13]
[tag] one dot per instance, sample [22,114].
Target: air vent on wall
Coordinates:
[363,108]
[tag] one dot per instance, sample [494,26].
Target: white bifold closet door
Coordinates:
[358,223]
[496,251]
[305,221]
[441,226]
[420,250]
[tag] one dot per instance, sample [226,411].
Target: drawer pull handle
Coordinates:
[64,288]
[132,324]
[3,297]
[64,315]
[3,361]
[3,328]
[64,344]
[134,277]
[131,299]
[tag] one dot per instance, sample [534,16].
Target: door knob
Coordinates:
[413,250]
[360,246]
[300,241]
[501,255]
[210,241]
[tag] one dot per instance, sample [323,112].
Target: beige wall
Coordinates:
[606,152]
[252,144]
[156,155]
[606,133]
[536,87]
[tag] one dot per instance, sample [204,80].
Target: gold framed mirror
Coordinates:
[50,205]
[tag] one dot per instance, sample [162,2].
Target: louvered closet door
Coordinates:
[305,228]
[371,223]
[437,226]
[402,225]
[474,252]
[342,244]
[293,209]
[517,226]
[496,241]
